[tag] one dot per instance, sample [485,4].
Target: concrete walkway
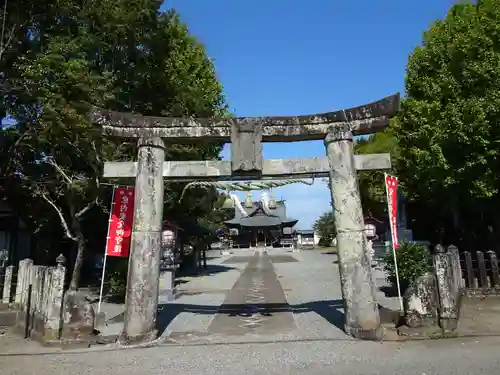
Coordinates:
[249,296]
[256,304]
[315,345]
[299,288]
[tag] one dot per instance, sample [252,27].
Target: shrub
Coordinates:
[116,279]
[413,261]
[325,241]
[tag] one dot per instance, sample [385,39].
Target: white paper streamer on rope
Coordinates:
[264,199]
[238,205]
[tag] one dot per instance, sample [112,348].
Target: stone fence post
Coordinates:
[23,281]
[448,276]
[457,270]
[37,282]
[7,284]
[54,301]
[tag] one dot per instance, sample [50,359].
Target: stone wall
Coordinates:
[39,299]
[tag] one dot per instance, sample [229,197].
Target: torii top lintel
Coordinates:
[365,119]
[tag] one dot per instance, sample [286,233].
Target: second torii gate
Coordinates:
[246,135]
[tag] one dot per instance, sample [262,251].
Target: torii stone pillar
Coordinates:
[141,303]
[361,310]
[362,319]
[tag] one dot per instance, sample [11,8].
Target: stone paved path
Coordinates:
[256,304]
[281,296]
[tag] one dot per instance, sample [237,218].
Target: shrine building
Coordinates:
[261,225]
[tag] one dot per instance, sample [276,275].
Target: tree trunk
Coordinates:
[77,267]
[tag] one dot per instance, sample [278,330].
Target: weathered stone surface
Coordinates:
[78,316]
[449,288]
[144,263]
[420,301]
[221,170]
[495,272]
[166,286]
[54,310]
[365,119]
[246,149]
[455,263]
[23,281]
[362,318]
[43,313]
[7,283]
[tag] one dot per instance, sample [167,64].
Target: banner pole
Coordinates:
[106,250]
[393,245]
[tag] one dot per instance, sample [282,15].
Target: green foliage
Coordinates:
[326,241]
[371,183]
[325,227]
[448,129]
[218,215]
[65,56]
[413,261]
[116,279]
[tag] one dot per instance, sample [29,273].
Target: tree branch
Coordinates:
[99,162]
[84,210]
[59,169]
[12,150]
[61,217]
[8,42]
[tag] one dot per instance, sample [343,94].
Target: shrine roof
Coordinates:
[257,217]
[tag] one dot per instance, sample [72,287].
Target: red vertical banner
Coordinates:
[120,222]
[391,185]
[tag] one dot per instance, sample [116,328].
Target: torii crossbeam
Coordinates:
[246,135]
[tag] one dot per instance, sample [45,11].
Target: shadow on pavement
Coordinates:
[328,310]
[210,269]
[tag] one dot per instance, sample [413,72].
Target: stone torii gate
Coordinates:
[246,135]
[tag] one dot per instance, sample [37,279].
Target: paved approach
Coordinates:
[256,304]
[276,313]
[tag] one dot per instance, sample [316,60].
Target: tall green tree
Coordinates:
[371,183]
[448,130]
[118,55]
[325,227]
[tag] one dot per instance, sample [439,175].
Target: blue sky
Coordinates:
[280,57]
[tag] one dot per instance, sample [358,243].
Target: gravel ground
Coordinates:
[312,288]
[435,357]
[199,296]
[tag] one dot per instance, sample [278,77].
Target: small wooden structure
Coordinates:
[306,239]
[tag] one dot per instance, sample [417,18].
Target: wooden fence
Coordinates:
[480,272]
